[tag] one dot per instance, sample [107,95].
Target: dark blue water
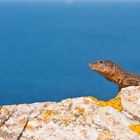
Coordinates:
[45,48]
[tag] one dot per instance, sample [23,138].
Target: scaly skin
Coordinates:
[115,74]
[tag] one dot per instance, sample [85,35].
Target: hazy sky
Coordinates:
[74,0]
[69,1]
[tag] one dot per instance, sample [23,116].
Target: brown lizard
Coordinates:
[114,73]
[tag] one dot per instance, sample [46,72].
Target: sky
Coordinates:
[71,0]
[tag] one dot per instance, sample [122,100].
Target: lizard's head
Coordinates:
[104,67]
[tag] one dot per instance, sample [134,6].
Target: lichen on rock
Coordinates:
[115,102]
[135,128]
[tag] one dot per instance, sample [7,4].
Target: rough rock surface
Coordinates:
[73,119]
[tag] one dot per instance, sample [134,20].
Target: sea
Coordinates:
[45,48]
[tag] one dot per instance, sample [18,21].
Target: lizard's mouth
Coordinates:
[92,66]
[97,67]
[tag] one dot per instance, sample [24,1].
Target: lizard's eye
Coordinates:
[101,61]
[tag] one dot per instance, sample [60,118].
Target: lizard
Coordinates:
[115,73]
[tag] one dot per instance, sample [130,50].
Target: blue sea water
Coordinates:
[45,48]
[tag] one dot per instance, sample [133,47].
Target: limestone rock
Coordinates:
[73,119]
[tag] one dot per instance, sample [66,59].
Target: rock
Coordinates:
[131,102]
[83,118]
